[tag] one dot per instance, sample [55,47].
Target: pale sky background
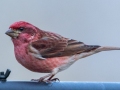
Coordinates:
[95,22]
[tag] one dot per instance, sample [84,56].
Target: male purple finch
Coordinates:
[47,52]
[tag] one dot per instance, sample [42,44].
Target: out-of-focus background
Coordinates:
[94,22]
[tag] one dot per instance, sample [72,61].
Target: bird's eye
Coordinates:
[21,29]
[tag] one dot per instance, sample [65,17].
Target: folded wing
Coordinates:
[49,47]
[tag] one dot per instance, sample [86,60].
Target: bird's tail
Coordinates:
[106,48]
[96,50]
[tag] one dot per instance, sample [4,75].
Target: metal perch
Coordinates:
[70,85]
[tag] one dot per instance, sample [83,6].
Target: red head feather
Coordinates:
[19,24]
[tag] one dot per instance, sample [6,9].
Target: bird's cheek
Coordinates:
[30,38]
[25,37]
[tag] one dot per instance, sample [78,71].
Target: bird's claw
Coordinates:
[46,81]
[55,79]
[36,80]
[51,80]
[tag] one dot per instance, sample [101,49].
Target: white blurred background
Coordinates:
[95,22]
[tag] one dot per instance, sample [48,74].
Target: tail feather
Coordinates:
[95,50]
[107,48]
[89,48]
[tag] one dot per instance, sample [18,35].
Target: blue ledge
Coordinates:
[26,85]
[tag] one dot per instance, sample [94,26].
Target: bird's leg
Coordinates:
[42,79]
[51,75]
[54,79]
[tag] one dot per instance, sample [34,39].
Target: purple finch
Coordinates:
[47,52]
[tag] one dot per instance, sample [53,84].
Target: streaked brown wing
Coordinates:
[75,47]
[57,47]
[49,46]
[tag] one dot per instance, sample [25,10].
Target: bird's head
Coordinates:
[22,30]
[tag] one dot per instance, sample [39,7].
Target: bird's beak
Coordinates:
[12,33]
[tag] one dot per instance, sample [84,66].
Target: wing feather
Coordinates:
[49,47]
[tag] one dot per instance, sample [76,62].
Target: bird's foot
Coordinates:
[36,80]
[39,80]
[51,80]
[46,81]
[55,79]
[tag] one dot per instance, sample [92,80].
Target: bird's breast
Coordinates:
[37,65]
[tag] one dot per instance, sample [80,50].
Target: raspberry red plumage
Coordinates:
[47,52]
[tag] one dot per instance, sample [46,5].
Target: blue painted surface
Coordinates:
[24,85]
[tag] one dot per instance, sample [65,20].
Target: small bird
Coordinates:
[46,52]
